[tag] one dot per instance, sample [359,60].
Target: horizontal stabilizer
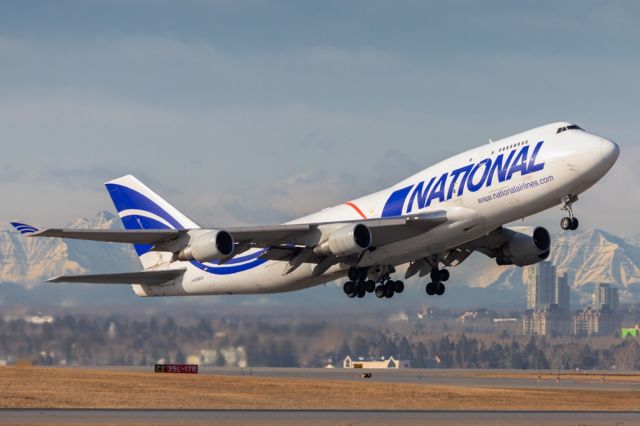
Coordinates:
[138,236]
[24,228]
[142,277]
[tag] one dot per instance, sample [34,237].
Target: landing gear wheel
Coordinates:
[379,292]
[444,275]
[398,286]
[388,291]
[370,286]
[574,223]
[361,293]
[431,289]
[435,275]
[349,287]
[568,222]
[440,289]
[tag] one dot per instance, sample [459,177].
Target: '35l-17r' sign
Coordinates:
[177,368]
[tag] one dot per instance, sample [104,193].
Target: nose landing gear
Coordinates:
[569,222]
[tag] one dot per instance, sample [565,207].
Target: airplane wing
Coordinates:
[142,236]
[142,277]
[383,231]
[286,241]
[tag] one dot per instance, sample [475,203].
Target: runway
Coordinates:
[234,396]
[311,417]
[466,378]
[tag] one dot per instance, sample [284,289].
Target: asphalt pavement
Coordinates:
[311,417]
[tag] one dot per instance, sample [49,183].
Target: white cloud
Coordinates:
[233,136]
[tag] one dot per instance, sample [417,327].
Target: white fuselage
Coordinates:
[485,187]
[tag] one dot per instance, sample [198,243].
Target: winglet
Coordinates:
[23,228]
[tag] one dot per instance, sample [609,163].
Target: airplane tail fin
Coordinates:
[141,208]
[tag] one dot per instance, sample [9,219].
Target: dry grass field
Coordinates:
[36,387]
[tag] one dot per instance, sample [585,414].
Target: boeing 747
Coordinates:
[425,224]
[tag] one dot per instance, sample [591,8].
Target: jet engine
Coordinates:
[350,239]
[525,246]
[212,245]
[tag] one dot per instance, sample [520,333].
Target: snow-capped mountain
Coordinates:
[597,257]
[29,261]
[590,257]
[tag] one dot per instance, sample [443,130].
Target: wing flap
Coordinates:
[141,277]
[387,231]
[271,235]
[384,231]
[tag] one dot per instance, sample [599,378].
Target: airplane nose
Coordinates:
[609,150]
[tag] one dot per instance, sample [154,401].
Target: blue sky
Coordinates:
[253,112]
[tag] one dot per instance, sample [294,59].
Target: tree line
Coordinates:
[130,340]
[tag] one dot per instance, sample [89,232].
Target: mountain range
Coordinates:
[590,257]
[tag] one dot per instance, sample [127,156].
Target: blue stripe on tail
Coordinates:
[23,228]
[128,199]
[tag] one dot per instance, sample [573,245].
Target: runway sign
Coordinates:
[177,368]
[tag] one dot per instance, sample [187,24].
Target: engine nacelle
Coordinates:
[526,246]
[213,245]
[350,239]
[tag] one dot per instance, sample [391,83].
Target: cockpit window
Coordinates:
[571,127]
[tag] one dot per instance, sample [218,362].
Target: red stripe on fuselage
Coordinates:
[357,209]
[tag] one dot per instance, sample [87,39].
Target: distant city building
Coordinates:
[595,322]
[541,280]
[473,315]
[548,301]
[112,331]
[606,295]
[550,321]
[391,362]
[229,356]
[39,319]
[562,293]
[504,320]
[601,318]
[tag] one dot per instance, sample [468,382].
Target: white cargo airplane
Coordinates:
[433,219]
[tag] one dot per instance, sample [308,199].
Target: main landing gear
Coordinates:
[569,222]
[358,284]
[388,288]
[436,286]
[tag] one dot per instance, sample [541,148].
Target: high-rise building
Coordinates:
[595,322]
[601,318]
[562,293]
[550,321]
[548,301]
[605,296]
[541,282]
